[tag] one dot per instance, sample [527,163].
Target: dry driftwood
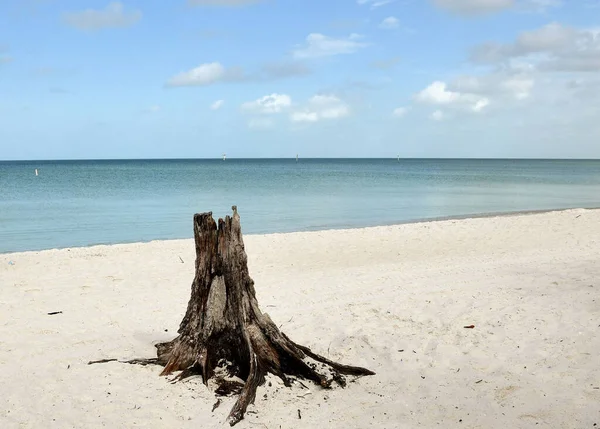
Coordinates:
[225,336]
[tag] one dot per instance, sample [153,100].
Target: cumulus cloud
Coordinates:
[318,45]
[113,16]
[217,105]
[221,2]
[269,104]
[215,72]
[553,47]
[438,94]
[206,74]
[499,85]
[389,23]
[321,107]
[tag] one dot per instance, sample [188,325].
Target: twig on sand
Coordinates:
[142,362]
[101,361]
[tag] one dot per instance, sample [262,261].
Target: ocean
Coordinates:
[81,203]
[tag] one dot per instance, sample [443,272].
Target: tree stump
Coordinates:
[225,335]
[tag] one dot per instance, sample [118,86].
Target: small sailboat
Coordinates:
[296,157]
[398,158]
[224,156]
[36,172]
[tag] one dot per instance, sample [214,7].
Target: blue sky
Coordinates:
[272,78]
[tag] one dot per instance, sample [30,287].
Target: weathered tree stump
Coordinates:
[225,336]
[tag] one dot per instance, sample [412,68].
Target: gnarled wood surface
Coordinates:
[225,336]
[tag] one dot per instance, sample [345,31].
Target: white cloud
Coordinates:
[438,115]
[221,2]
[204,74]
[438,94]
[217,105]
[400,112]
[484,7]
[304,117]
[499,85]
[520,87]
[474,7]
[553,47]
[319,107]
[273,103]
[374,3]
[335,112]
[389,23]
[113,16]
[318,45]
[480,105]
[210,73]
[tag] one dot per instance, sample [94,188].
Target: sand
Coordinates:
[394,299]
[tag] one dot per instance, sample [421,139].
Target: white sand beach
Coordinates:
[394,299]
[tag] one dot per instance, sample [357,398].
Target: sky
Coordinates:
[88,79]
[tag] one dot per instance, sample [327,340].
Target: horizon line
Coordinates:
[307,158]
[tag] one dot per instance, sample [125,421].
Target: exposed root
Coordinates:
[342,369]
[228,388]
[143,362]
[256,377]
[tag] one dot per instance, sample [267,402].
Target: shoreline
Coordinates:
[486,215]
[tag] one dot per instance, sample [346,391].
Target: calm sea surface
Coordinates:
[79,203]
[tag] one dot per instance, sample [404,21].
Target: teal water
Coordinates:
[79,203]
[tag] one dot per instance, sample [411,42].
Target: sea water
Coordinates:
[80,203]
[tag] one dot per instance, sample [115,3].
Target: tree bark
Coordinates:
[225,336]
